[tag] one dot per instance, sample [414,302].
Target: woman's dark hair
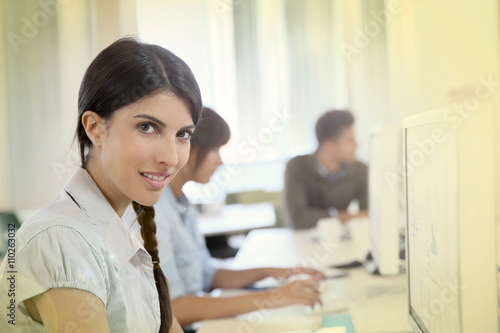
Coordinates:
[121,74]
[211,133]
[331,123]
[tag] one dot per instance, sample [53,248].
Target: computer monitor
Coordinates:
[385,192]
[450,228]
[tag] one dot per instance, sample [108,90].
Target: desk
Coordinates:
[237,218]
[376,304]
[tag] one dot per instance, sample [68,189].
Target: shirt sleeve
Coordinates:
[207,262]
[176,286]
[297,210]
[166,235]
[209,268]
[59,257]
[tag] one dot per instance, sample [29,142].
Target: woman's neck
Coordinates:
[117,201]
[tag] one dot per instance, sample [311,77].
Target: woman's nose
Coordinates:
[167,153]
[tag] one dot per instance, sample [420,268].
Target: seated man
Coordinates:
[324,183]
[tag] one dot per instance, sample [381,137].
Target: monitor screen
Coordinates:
[450,222]
[431,169]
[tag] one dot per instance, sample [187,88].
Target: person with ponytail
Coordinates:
[79,266]
[185,258]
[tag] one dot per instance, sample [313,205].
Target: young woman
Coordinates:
[79,267]
[186,260]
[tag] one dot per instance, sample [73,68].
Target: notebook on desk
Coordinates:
[341,320]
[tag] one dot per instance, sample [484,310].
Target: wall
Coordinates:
[5,185]
[50,45]
[439,51]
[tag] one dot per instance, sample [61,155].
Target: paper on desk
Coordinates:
[323,330]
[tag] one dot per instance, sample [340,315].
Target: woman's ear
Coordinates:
[94,127]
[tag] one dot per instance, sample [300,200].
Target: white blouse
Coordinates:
[78,241]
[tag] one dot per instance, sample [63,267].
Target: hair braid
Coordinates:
[145,217]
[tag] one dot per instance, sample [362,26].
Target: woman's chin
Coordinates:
[148,200]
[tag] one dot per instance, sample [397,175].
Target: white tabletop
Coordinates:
[376,303]
[237,218]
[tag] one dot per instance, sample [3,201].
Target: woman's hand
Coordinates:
[285,273]
[304,292]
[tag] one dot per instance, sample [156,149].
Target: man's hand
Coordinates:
[344,216]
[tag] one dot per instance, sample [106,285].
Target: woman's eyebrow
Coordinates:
[147,116]
[188,127]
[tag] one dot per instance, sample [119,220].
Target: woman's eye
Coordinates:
[184,134]
[147,128]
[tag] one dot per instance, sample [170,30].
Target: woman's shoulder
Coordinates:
[61,217]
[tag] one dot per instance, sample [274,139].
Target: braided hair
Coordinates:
[145,217]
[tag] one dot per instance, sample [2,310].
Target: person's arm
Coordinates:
[344,216]
[68,309]
[361,196]
[176,327]
[300,214]
[190,309]
[64,281]
[227,278]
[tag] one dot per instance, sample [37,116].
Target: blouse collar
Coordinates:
[83,190]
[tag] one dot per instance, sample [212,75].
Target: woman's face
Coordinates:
[207,168]
[143,146]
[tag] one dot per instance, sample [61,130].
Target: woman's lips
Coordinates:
[156,180]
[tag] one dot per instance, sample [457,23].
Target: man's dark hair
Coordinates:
[330,125]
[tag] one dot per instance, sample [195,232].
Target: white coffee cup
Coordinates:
[329,230]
